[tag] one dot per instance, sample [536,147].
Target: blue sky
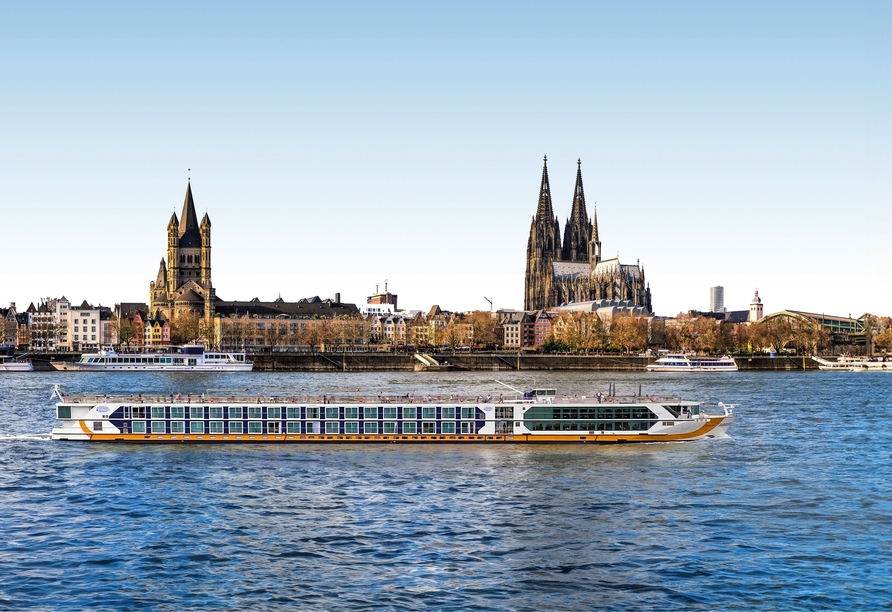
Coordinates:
[336,145]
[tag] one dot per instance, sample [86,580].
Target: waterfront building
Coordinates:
[574,271]
[10,326]
[87,327]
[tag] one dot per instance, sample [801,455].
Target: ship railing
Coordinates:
[339,398]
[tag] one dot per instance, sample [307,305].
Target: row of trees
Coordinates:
[585,332]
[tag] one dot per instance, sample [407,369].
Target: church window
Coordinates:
[189,259]
[182,259]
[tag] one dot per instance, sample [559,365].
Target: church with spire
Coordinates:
[183,283]
[559,272]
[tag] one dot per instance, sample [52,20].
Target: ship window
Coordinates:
[139,412]
[466,428]
[196,427]
[177,412]
[371,412]
[428,428]
[177,427]
[159,427]
[428,412]
[274,412]
[468,412]
[389,428]
[331,412]
[409,412]
[255,412]
[447,428]
[235,427]
[157,412]
[235,412]
[292,412]
[97,425]
[215,412]
[255,427]
[138,427]
[312,412]
[63,412]
[351,412]
[196,412]
[293,427]
[389,412]
[370,427]
[215,427]
[272,428]
[448,412]
[332,427]
[409,428]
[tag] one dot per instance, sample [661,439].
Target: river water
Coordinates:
[793,510]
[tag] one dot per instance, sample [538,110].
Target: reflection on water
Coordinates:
[792,510]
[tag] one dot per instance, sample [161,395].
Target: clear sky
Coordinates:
[335,145]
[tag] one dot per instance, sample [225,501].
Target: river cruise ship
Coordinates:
[193,358]
[688,363]
[537,416]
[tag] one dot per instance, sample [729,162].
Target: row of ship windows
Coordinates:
[588,426]
[294,427]
[295,412]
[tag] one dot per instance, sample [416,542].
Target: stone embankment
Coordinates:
[378,362]
[367,362]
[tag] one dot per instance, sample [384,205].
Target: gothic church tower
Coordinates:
[543,247]
[578,229]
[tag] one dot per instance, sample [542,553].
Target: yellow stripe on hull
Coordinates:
[573,438]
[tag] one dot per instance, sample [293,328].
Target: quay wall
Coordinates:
[378,362]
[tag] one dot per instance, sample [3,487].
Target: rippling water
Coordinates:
[792,510]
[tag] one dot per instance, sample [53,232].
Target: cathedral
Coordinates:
[573,271]
[184,281]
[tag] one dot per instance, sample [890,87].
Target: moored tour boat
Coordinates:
[677,362]
[193,358]
[8,363]
[855,364]
[537,416]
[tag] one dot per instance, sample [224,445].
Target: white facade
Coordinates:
[512,334]
[86,328]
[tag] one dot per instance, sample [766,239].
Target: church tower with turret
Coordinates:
[183,283]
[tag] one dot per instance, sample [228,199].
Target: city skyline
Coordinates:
[743,145]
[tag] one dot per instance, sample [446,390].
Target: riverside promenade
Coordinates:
[386,362]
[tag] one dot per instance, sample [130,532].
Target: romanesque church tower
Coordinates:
[543,246]
[184,281]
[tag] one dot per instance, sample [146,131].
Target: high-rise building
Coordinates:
[717,299]
[574,271]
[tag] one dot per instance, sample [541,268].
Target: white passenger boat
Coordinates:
[193,358]
[8,363]
[855,364]
[687,363]
[537,416]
